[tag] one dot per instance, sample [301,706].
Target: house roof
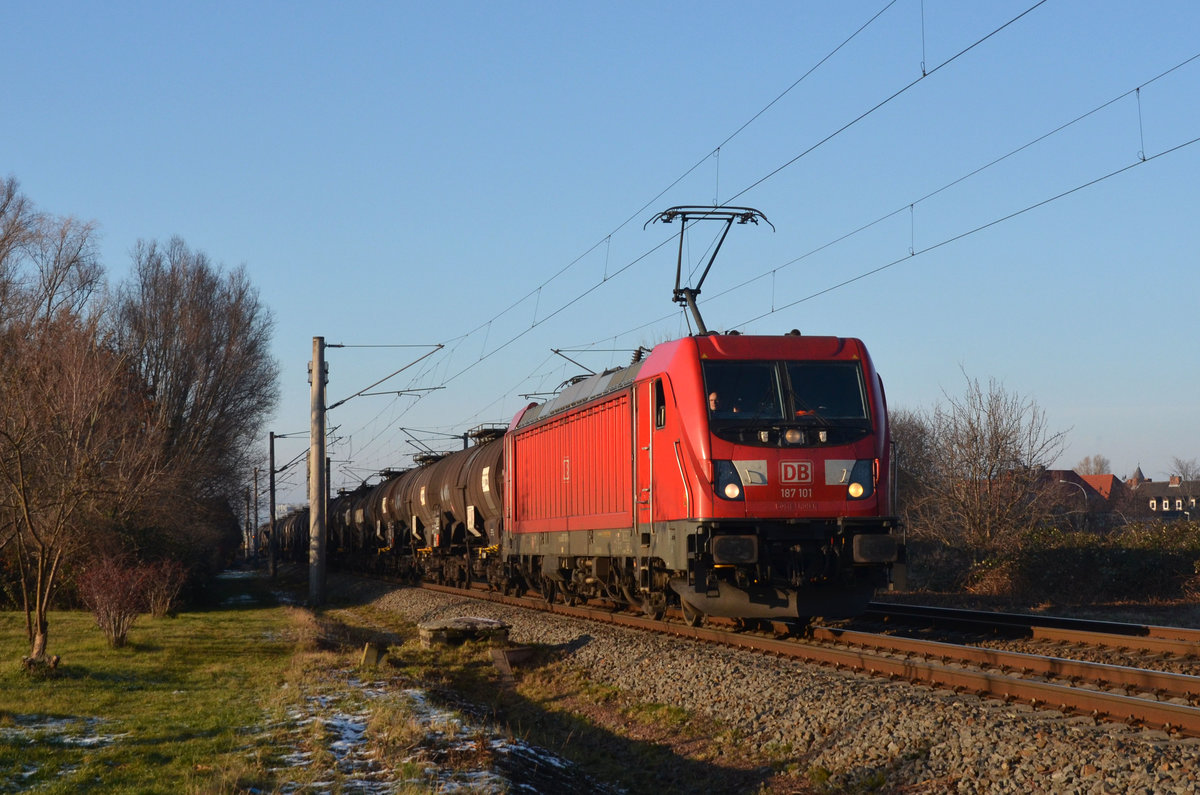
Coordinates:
[1162,488]
[1103,484]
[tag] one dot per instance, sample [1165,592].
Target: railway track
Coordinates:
[1153,699]
[1182,641]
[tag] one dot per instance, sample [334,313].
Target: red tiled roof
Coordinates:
[1103,484]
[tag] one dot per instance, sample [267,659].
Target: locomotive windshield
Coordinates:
[833,390]
[743,390]
[756,401]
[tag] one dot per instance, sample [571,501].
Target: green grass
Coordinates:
[174,711]
[225,700]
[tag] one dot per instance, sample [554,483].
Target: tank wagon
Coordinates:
[730,475]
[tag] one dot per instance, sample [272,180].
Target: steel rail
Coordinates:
[1159,683]
[1144,637]
[1185,648]
[1165,715]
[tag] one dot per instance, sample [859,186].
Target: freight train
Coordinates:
[723,474]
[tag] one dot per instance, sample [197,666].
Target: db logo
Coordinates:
[795,471]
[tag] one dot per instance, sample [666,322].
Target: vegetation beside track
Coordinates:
[251,695]
[1142,563]
[172,711]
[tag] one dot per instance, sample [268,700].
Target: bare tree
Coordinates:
[101,419]
[67,271]
[48,273]
[75,452]
[199,339]
[987,452]
[48,263]
[1094,465]
[914,452]
[18,230]
[1186,469]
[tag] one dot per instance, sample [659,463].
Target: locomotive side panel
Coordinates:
[574,470]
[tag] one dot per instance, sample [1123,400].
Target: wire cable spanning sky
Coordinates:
[1002,189]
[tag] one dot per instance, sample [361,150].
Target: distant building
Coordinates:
[1108,500]
[1170,499]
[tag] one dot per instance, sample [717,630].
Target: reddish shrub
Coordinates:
[115,592]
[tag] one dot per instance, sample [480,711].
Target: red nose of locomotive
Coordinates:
[798,427]
[798,458]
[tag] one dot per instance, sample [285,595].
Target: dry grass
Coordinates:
[611,735]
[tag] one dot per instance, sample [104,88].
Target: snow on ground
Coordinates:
[44,730]
[451,753]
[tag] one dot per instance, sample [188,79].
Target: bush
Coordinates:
[936,566]
[1139,561]
[163,582]
[115,592]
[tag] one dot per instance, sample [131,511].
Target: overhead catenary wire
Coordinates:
[606,240]
[975,230]
[909,205]
[451,375]
[536,291]
[884,102]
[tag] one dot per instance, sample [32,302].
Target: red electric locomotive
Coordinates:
[741,476]
[732,475]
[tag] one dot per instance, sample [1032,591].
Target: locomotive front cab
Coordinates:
[801,419]
[800,510]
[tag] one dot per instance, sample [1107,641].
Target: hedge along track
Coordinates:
[1152,699]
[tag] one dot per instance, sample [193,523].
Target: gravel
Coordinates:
[863,732]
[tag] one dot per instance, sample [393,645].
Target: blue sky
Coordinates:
[479,174]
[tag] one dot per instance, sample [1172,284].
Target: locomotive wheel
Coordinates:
[655,606]
[691,616]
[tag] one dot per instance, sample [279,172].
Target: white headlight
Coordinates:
[732,491]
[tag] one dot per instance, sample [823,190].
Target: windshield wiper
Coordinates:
[801,409]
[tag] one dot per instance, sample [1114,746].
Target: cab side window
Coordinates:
[660,405]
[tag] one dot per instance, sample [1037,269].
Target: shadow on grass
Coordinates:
[131,679]
[571,720]
[571,725]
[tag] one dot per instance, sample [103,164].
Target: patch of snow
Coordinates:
[483,761]
[43,730]
[232,574]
